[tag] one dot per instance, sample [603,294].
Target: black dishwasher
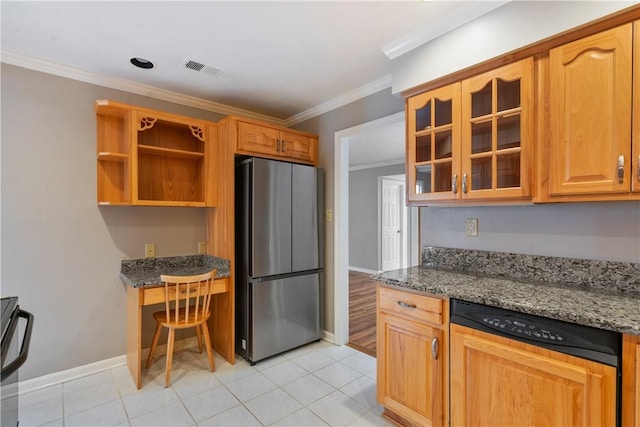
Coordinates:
[590,343]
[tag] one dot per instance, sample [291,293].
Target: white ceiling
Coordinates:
[378,146]
[278,59]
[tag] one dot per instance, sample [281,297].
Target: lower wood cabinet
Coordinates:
[497,381]
[631,380]
[412,357]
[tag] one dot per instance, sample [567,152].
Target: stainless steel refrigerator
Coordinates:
[279,266]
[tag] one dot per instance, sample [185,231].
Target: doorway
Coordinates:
[341,222]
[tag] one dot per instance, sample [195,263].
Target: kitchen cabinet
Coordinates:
[572,135]
[433,144]
[497,133]
[148,157]
[635,111]
[630,380]
[276,143]
[473,140]
[412,357]
[591,154]
[498,381]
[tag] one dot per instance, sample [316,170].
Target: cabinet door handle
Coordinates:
[277,145]
[284,146]
[406,305]
[434,348]
[454,183]
[464,183]
[620,169]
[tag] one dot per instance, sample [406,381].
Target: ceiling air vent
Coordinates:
[200,67]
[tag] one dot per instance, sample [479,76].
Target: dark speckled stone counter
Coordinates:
[146,272]
[600,300]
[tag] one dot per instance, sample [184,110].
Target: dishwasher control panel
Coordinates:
[570,338]
[520,327]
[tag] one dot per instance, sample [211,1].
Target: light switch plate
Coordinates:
[472,227]
[329,215]
[202,247]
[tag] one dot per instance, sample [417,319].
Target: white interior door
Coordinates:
[391,222]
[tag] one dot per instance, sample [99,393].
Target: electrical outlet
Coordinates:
[472,227]
[329,215]
[202,247]
[150,250]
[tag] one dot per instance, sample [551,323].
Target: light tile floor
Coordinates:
[316,385]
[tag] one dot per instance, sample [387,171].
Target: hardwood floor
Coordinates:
[362,313]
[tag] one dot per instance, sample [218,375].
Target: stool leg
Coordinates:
[170,340]
[207,341]
[154,343]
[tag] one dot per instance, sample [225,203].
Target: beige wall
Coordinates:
[601,231]
[61,253]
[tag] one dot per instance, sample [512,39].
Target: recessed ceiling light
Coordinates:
[142,63]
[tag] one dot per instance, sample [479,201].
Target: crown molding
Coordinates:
[377,165]
[342,100]
[438,27]
[130,86]
[190,101]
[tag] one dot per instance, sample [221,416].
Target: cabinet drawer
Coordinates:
[409,305]
[156,294]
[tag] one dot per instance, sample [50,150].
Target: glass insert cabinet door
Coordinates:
[497,123]
[433,144]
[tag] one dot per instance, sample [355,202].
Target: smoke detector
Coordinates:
[200,67]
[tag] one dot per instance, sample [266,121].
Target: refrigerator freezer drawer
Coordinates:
[285,314]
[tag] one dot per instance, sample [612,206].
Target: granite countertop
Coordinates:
[616,311]
[146,272]
[615,308]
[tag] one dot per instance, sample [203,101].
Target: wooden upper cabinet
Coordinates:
[590,108]
[298,147]
[114,154]
[148,157]
[265,141]
[635,111]
[433,144]
[497,133]
[258,139]
[473,140]
[498,382]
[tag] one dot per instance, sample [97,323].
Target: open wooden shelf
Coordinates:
[149,149]
[148,157]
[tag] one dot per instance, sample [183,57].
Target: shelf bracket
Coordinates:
[197,132]
[146,123]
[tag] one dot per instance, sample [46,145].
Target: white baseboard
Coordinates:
[329,337]
[363,270]
[93,368]
[71,374]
